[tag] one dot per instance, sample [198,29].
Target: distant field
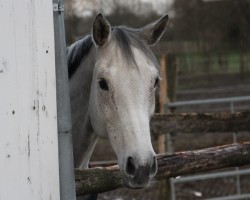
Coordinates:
[198,63]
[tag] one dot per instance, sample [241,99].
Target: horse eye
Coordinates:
[103,84]
[156,82]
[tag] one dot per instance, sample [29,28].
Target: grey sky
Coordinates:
[86,7]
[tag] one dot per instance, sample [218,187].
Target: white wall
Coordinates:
[28,126]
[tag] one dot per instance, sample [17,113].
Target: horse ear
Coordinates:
[101,30]
[153,32]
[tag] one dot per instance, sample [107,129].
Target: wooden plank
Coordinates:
[28,139]
[98,180]
[200,123]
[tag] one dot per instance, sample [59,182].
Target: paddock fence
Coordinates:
[29,84]
[107,178]
[236,173]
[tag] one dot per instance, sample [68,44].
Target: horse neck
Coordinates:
[84,139]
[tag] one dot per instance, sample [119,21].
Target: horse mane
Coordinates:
[125,38]
[76,52]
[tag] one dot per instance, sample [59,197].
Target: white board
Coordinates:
[28,126]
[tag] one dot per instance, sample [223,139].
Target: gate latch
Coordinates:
[58,7]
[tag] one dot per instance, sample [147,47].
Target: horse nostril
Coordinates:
[154,166]
[130,166]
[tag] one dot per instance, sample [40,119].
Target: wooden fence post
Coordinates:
[164,186]
[163,99]
[168,72]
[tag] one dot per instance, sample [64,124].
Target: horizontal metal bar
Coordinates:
[211,175]
[208,101]
[231,197]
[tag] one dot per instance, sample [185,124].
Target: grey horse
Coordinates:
[113,78]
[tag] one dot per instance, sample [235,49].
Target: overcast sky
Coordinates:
[86,7]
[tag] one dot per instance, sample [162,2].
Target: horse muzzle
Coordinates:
[138,174]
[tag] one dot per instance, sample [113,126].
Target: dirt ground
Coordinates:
[190,88]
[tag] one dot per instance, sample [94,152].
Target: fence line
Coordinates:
[237,172]
[100,179]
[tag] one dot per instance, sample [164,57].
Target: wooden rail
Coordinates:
[200,123]
[102,179]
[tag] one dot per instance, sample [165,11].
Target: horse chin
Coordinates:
[133,184]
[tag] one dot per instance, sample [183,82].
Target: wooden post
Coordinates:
[168,72]
[28,119]
[164,186]
[163,99]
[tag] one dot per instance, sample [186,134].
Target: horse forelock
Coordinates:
[125,37]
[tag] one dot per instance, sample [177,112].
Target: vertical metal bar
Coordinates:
[172,187]
[171,150]
[238,181]
[232,110]
[66,165]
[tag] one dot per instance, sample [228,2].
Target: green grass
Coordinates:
[196,63]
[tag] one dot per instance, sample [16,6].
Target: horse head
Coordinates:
[122,96]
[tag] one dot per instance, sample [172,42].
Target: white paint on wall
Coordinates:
[28,126]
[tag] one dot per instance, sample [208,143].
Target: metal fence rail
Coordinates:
[208,101]
[232,197]
[211,175]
